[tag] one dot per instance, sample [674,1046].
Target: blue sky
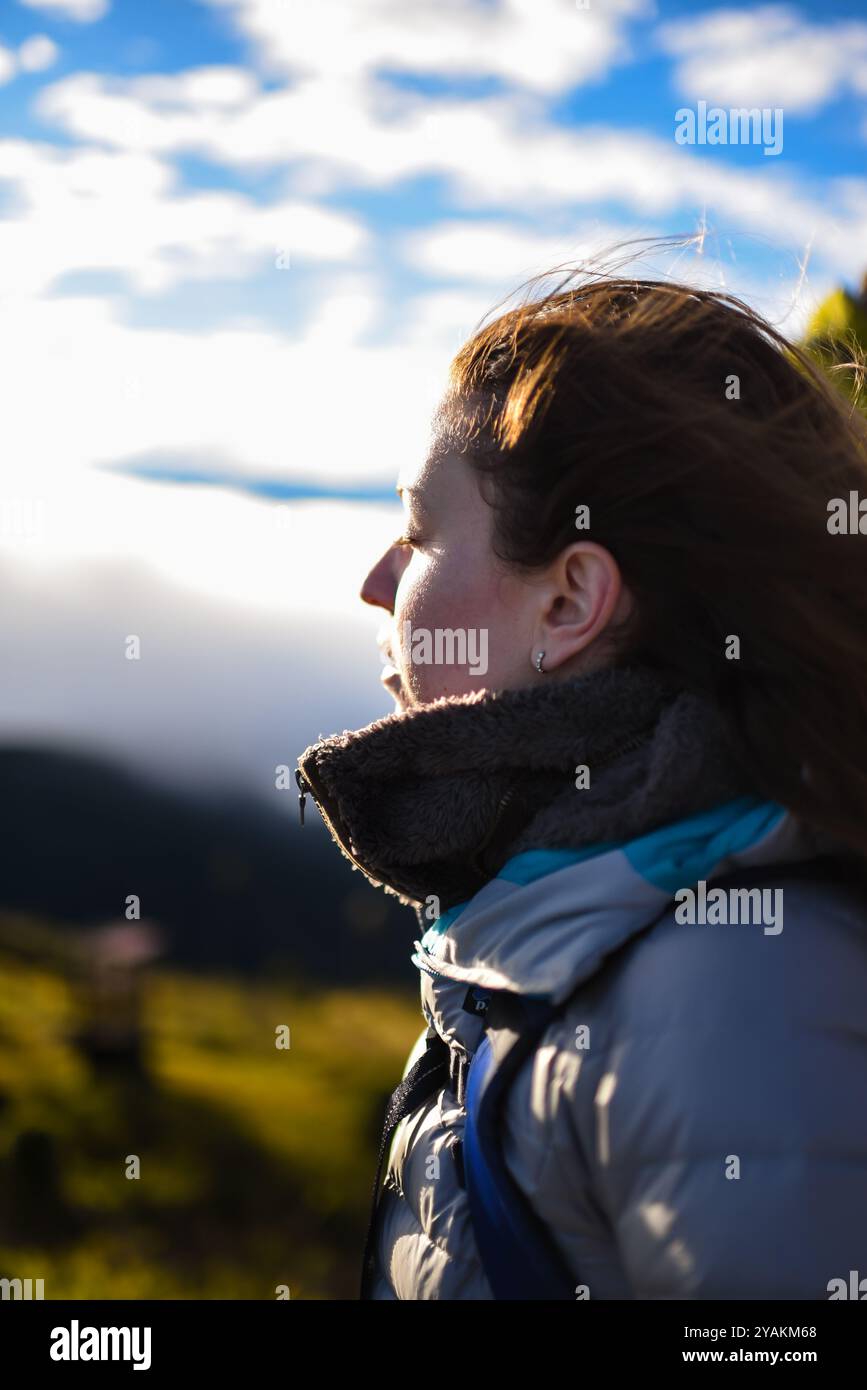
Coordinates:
[240,241]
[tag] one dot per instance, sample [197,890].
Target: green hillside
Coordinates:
[256,1163]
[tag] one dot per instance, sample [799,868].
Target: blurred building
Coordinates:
[109,969]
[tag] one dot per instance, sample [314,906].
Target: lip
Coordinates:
[389,673]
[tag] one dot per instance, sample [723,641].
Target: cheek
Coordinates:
[444,595]
[443,592]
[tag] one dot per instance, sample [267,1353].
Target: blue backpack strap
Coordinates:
[519,1256]
[517,1251]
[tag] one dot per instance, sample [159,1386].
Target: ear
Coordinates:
[583,593]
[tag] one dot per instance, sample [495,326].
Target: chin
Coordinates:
[396,691]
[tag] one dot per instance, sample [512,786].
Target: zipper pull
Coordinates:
[302,790]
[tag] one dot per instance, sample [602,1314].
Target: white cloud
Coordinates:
[85,209]
[438,322]
[236,599]
[223,692]
[499,152]
[34,55]
[769,56]
[494,251]
[37,53]
[83,11]
[238,399]
[85,388]
[204,90]
[547,46]
[154,114]
[496,257]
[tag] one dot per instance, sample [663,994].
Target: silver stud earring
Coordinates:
[539,660]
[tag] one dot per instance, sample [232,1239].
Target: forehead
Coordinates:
[453,434]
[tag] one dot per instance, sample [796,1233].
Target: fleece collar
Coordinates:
[430,802]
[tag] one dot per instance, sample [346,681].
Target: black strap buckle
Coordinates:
[459,1065]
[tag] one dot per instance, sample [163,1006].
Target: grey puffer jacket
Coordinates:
[693,1126]
[709,1140]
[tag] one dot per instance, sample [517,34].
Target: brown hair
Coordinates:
[614,394]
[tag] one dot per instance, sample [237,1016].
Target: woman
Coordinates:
[625,788]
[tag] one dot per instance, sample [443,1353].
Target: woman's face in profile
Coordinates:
[458,621]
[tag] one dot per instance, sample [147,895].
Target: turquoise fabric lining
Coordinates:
[442,923]
[668,858]
[520,869]
[689,850]
[536,863]
[675,854]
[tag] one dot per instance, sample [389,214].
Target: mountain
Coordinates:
[232,884]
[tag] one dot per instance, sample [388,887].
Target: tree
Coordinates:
[836,338]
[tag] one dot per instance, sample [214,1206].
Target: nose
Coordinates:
[380,586]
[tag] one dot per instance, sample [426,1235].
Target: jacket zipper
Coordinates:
[505,799]
[628,746]
[305,789]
